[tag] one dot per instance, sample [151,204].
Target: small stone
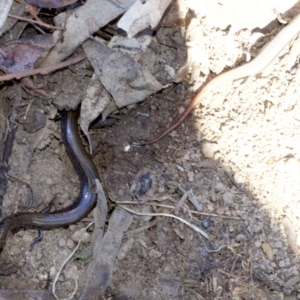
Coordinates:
[86,238]
[257,244]
[268,251]
[120,192]
[238,178]
[28,272]
[231,228]
[295,272]
[240,237]
[190,175]
[27,238]
[70,244]
[220,186]
[39,255]
[71,273]
[181,169]
[52,272]
[72,227]
[83,236]
[15,250]
[42,276]
[281,264]
[234,213]
[278,244]
[206,223]
[228,198]
[220,210]
[154,253]
[61,242]
[48,181]
[186,156]
[76,236]
[208,150]
[161,189]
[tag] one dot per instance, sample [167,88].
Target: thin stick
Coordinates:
[201,213]
[63,265]
[35,22]
[197,229]
[44,70]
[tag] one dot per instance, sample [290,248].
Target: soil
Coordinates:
[233,164]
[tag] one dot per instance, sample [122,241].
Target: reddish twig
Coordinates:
[43,70]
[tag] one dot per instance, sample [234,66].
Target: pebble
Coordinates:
[228,198]
[238,178]
[70,243]
[121,193]
[190,175]
[27,238]
[220,186]
[73,227]
[220,210]
[52,272]
[42,276]
[154,253]
[79,235]
[281,264]
[240,237]
[257,244]
[268,251]
[179,168]
[278,244]
[71,273]
[48,180]
[15,250]
[32,261]
[27,271]
[186,156]
[231,228]
[161,189]
[39,255]
[206,223]
[146,210]
[61,242]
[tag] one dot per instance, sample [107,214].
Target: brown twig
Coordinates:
[143,228]
[180,203]
[39,22]
[43,70]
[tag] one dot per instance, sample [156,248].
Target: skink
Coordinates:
[86,199]
[257,65]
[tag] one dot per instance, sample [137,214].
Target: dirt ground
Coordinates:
[235,160]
